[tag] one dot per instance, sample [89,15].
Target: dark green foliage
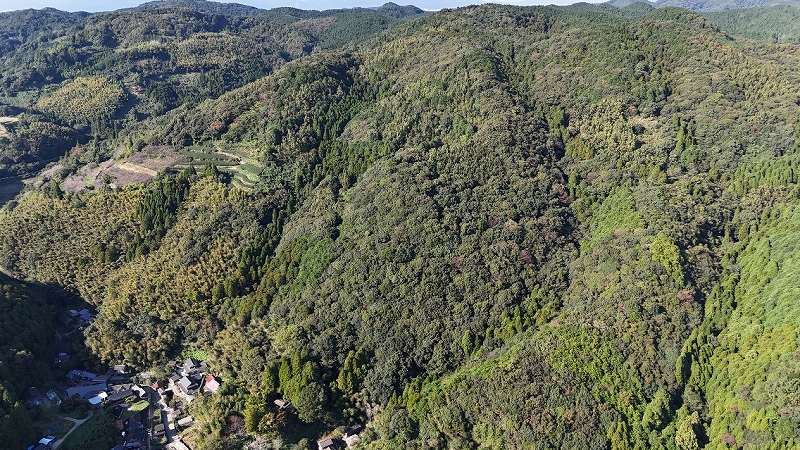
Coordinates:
[492,227]
[27,322]
[97,433]
[158,209]
[31,143]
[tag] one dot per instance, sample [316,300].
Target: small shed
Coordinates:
[186,421]
[98,399]
[327,444]
[47,440]
[211,384]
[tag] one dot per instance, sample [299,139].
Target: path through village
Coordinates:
[75,424]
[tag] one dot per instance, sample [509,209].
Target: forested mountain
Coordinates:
[207,7]
[775,24]
[489,227]
[721,5]
[779,23]
[95,74]
[707,5]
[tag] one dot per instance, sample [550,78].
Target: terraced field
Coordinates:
[237,162]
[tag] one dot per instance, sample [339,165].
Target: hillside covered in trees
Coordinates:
[483,228]
[98,73]
[707,6]
[27,319]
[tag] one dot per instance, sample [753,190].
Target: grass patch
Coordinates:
[200,355]
[134,409]
[139,406]
[97,433]
[51,424]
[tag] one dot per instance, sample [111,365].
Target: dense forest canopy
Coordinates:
[27,319]
[706,5]
[100,73]
[488,227]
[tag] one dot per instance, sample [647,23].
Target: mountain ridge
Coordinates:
[707,5]
[487,227]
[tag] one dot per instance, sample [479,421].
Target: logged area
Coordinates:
[488,227]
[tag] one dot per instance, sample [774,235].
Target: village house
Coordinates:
[210,384]
[85,315]
[78,317]
[86,391]
[177,445]
[45,443]
[53,396]
[159,431]
[193,367]
[184,386]
[118,375]
[329,443]
[81,376]
[36,398]
[190,379]
[138,390]
[186,421]
[98,399]
[120,395]
[351,437]
[38,446]
[351,441]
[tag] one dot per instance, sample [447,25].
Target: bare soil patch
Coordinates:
[140,167]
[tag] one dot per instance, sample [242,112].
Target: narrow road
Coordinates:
[75,424]
[162,405]
[152,396]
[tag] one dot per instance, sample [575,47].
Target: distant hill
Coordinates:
[706,5]
[776,24]
[229,9]
[236,9]
[765,20]
[720,5]
[397,11]
[626,3]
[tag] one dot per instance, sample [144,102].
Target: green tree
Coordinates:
[310,402]
[655,414]
[664,251]
[685,433]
